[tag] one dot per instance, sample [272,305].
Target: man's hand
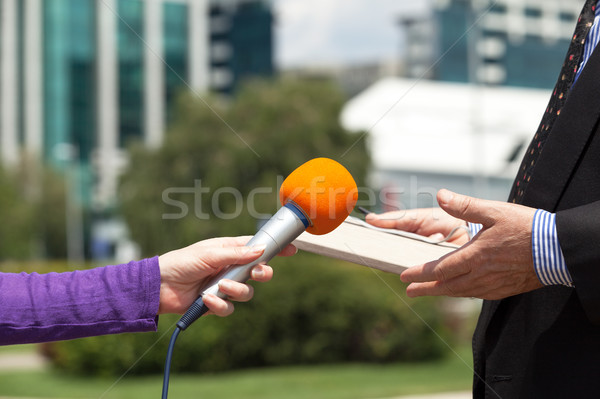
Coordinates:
[184,271]
[495,264]
[430,222]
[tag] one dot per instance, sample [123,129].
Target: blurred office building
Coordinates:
[94,74]
[426,135]
[497,42]
[81,79]
[477,78]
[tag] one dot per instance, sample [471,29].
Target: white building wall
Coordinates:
[548,19]
[154,66]
[425,135]
[107,101]
[199,40]
[9,78]
[33,84]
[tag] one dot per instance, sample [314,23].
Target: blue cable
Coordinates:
[195,311]
[165,390]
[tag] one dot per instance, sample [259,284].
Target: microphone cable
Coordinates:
[197,309]
[167,372]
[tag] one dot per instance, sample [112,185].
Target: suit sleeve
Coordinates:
[579,233]
[59,306]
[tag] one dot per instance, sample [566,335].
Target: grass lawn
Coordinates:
[347,381]
[18,348]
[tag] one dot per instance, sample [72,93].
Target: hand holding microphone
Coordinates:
[184,271]
[316,197]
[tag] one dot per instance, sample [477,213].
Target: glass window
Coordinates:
[176,52]
[131,70]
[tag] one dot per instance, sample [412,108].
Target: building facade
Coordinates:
[467,64]
[425,135]
[501,42]
[81,79]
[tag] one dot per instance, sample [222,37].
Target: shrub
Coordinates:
[277,126]
[314,311]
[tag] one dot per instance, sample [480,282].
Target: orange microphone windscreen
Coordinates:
[324,190]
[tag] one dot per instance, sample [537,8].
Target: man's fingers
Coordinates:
[464,286]
[446,268]
[430,288]
[401,220]
[461,286]
[466,208]
[436,236]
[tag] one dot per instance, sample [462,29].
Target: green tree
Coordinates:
[347,314]
[32,205]
[215,148]
[50,215]
[344,314]
[17,214]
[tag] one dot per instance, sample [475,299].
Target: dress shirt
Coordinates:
[548,259]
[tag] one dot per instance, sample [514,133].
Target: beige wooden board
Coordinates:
[378,249]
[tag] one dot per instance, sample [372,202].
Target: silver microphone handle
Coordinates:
[283,228]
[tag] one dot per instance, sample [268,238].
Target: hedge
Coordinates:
[315,310]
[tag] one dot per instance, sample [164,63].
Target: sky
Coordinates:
[330,32]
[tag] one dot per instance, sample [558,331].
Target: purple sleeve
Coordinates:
[58,306]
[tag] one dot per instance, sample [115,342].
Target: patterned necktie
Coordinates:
[558,99]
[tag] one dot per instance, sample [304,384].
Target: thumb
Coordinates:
[464,207]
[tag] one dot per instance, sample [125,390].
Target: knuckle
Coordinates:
[465,204]
[476,259]
[226,310]
[449,291]
[236,291]
[249,293]
[439,273]
[241,252]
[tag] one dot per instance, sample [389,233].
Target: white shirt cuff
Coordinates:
[548,259]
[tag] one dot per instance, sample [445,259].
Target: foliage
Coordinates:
[42,266]
[32,209]
[50,216]
[314,311]
[17,211]
[215,149]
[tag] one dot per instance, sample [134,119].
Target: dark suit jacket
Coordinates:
[546,343]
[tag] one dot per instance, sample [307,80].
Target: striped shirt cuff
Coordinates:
[548,260]
[474,228]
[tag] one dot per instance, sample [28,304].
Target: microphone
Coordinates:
[317,197]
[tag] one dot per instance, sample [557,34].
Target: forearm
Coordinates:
[58,306]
